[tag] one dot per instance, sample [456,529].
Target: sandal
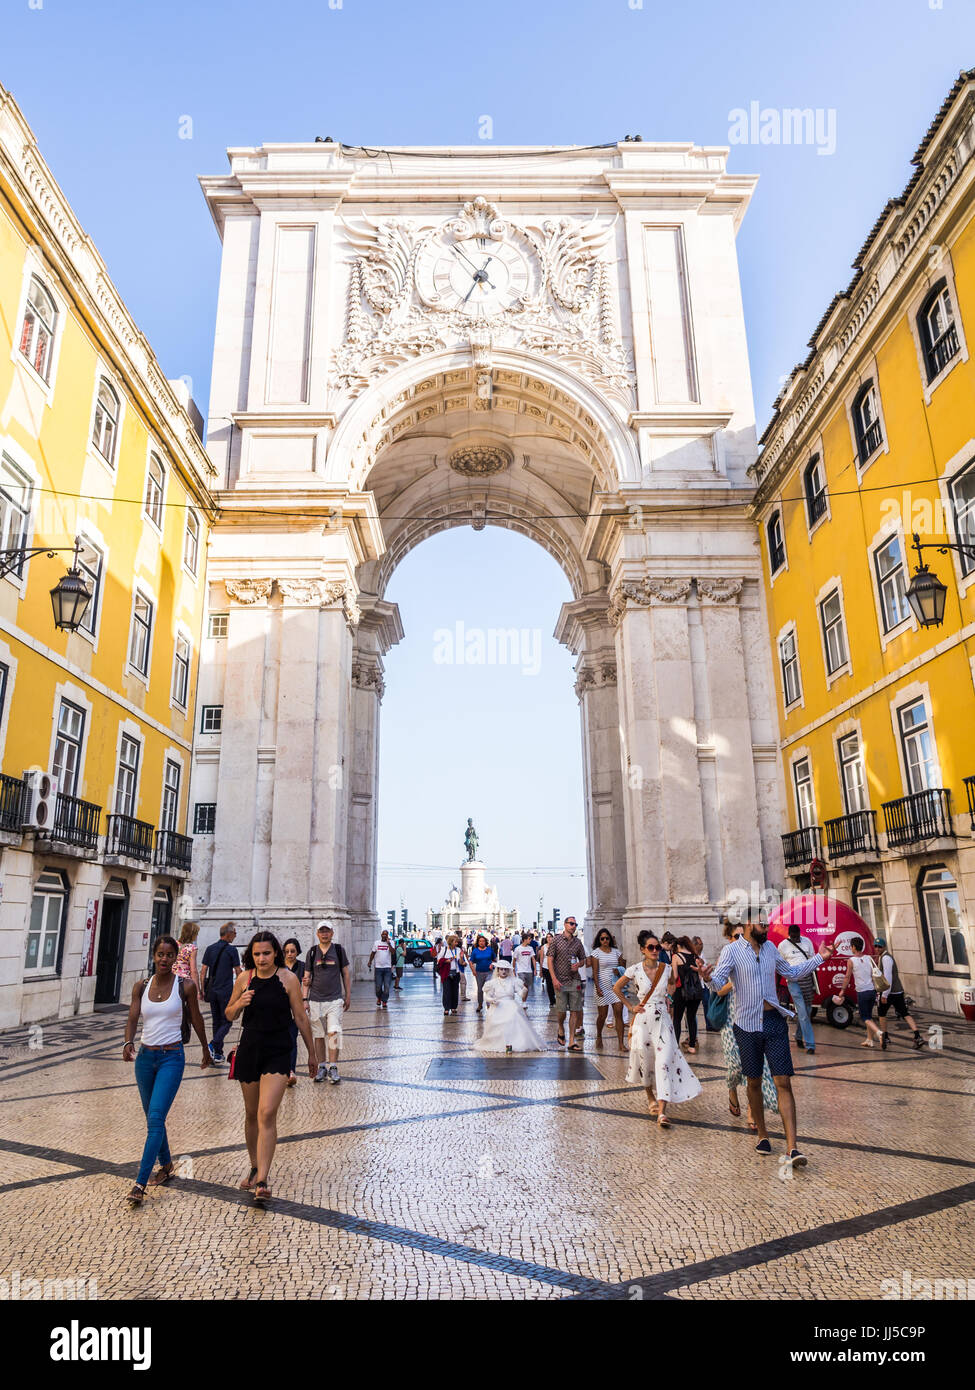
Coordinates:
[560,1039]
[735,1108]
[574,1047]
[663,1122]
[246,1184]
[137,1196]
[653,1106]
[163,1174]
[261,1193]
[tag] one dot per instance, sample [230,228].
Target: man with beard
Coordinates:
[761,1022]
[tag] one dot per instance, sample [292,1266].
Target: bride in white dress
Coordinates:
[656,1061]
[506,1028]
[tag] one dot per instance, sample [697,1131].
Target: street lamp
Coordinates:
[70,596]
[926,594]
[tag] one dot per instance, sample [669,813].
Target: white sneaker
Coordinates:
[333,1074]
[322,1071]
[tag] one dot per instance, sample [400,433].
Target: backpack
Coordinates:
[690,982]
[184,1028]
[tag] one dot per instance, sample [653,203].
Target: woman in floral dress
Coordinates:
[732,1059]
[656,1062]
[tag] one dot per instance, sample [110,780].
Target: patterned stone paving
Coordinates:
[489,1183]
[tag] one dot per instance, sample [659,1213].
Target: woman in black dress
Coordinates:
[269,996]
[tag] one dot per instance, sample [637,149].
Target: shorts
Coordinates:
[266,1053]
[771,1045]
[568,999]
[895,1000]
[866,998]
[326,1017]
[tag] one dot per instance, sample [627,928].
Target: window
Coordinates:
[217,625]
[127,781]
[191,541]
[852,775]
[44,929]
[805,805]
[789,657]
[15,496]
[4,677]
[155,489]
[936,325]
[68,743]
[212,719]
[776,543]
[943,924]
[37,334]
[814,484]
[141,637]
[889,562]
[917,742]
[181,671]
[962,491]
[868,902]
[105,429]
[170,804]
[866,423]
[834,632]
[91,562]
[204,816]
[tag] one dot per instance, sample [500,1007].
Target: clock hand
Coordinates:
[458,252]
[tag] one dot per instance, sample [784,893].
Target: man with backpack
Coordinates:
[893,997]
[218,971]
[327,990]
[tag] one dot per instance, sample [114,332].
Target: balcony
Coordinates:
[921,816]
[943,350]
[855,833]
[76,822]
[129,838]
[800,847]
[13,791]
[174,851]
[970,789]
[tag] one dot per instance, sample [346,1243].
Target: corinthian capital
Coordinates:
[667,590]
[719,590]
[248,591]
[305,592]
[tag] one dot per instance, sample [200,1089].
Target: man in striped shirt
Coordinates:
[761,1022]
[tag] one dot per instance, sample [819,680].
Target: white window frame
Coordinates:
[128,729]
[61,705]
[204,710]
[870,374]
[905,695]
[908,624]
[62,896]
[933,763]
[783,568]
[192,514]
[961,463]
[945,971]
[8,660]
[75,695]
[842,763]
[171,758]
[182,635]
[877,927]
[813,526]
[833,586]
[34,267]
[94,540]
[217,636]
[798,758]
[787,632]
[160,526]
[141,590]
[943,269]
[25,464]
[102,374]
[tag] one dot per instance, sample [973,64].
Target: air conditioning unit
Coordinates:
[40,801]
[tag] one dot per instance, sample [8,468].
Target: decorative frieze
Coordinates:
[366,676]
[719,590]
[248,591]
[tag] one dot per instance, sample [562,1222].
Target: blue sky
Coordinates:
[105,86]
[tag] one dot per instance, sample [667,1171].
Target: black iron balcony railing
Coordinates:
[921,816]
[13,792]
[802,846]
[870,440]
[855,833]
[76,822]
[943,350]
[129,838]
[174,851]
[970,789]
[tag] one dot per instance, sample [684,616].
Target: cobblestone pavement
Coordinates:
[403,1183]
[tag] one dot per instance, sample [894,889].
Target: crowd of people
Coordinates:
[280,993]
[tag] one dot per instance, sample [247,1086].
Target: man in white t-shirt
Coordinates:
[523,962]
[383,955]
[797,949]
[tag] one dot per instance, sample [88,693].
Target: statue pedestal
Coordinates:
[472,888]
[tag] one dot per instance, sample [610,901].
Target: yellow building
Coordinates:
[95,444]
[873,440]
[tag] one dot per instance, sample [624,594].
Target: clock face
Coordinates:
[478,277]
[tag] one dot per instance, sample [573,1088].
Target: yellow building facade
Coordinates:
[96,725]
[872,441]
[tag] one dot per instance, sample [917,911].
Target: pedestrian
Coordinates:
[606,964]
[462,976]
[761,1028]
[732,931]
[687,994]
[218,971]
[400,962]
[506,1028]
[797,948]
[480,958]
[893,997]
[523,963]
[543,951]
[656,1062]
[566,957]
[667,944]
[292,952]
[327,992]
[698,945]
[382,954]
[167,1006]
[448,967]
[186,967]
[866,977]
[269,997]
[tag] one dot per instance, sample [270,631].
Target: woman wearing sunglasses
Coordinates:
[656,1062]
[604,963]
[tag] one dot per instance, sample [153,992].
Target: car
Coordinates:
[418,951]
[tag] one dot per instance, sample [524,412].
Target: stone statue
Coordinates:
[470,840]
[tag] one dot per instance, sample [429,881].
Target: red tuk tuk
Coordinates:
[824,919]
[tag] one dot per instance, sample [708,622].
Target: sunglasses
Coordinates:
[570,922]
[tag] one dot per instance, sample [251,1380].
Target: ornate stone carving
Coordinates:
[719,590]
[480,460]
[623,595]
[594,675]
[644,593]
[368,677]
[337,591]
[248,591]
[305,592]
[478,516]
[667,590]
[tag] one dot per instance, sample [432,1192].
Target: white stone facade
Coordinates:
[373,385]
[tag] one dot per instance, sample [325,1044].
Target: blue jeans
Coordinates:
[803,1021]
[157,1075]
[219,1020]
[384,977]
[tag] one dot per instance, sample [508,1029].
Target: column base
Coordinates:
[683,919]
[609,917]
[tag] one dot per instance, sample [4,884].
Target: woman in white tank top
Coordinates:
[159,1065]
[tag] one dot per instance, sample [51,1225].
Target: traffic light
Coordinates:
[391,919]
[556,914]
[403,916]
